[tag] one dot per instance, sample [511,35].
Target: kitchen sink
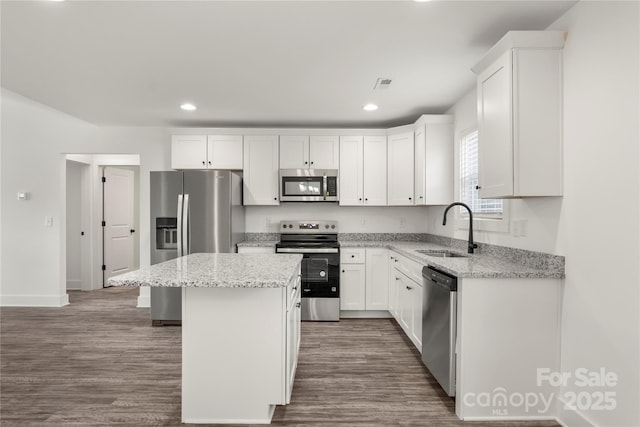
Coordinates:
[440,253]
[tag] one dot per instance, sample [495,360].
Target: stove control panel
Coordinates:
[312,227]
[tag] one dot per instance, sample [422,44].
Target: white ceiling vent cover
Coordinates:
[382,83]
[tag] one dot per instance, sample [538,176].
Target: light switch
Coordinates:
[48,221]
[23,196]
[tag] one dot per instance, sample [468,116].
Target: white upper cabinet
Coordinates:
[189,151]
[400,169]
[520,116]
[303,152]
[261,170]
[375,170]
[363,170]
[224,151]
[433,180]
[206,152]
[294,152]
[351,172]
[324,152]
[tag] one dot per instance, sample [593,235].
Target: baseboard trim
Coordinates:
[365,314]
[571,417]
[34,300]
[144,301]
[74,285]
[515,418]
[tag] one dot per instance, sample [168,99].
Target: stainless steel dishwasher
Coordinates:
[439,326]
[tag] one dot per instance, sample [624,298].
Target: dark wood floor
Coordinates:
[99,362]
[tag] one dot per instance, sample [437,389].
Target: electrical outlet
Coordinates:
[363,223]
[267,222]
[48,221]
[403,223]
[523,227]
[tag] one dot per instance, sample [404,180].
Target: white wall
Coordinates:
[351,219]
[596,224]
[599,222]
[35,139]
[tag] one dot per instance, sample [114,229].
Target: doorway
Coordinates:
[88,255]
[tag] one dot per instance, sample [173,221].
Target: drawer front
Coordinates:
[352,256]
[412,269]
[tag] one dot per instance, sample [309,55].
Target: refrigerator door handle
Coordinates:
[186,231]
[179,221]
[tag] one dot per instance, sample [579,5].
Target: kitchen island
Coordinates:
[240,332]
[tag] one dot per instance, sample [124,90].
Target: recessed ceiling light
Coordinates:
[57,0]
[421,1]
[370,107]
[188,107]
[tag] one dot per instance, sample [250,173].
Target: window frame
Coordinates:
[481,221]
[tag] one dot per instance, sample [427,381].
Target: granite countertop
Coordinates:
[471,266]
[216,271]
[258,244]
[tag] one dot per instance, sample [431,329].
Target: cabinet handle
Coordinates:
[311,162]
[395,260]
[353,256]
[409,198]
[306,163]
[409,288]
[366,199]
[275,198]
[360,199]
[209,161]
[298,305]
[478,187]
[397,278]
[203,163]
[391,257]
[343,271]
[421,197]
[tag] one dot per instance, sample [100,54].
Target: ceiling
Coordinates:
[253,63]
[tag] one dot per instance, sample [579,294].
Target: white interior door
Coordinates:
[118,221]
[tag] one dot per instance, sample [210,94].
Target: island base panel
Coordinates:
[232,354]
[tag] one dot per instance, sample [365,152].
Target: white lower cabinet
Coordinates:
[405,296]
[363,279]
[293,336]
[352,286]
[376,285]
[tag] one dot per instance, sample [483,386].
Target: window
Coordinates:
[482,208]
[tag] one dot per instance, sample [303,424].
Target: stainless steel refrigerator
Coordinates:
[191,212]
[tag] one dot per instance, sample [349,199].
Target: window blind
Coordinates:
[469,179]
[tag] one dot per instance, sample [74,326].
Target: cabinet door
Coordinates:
[260,173]
[416,311]
[438,164]
[406,302]
[189,152]
[400,169]
[324,152]
[224,152]
[377,285]
[393,283]
[495,133]
[351,174]
[294,152]
[419,169]
[375,170]
[352,287]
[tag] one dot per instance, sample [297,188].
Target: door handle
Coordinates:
[185,227]
[180,248]
[132,231]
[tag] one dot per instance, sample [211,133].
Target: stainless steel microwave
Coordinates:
[308,185]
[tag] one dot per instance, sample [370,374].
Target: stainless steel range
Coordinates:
[317,241]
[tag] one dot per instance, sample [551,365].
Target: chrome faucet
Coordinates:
[471,245]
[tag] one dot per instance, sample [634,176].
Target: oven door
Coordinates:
[320,275]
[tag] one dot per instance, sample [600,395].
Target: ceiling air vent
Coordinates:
[382,83]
